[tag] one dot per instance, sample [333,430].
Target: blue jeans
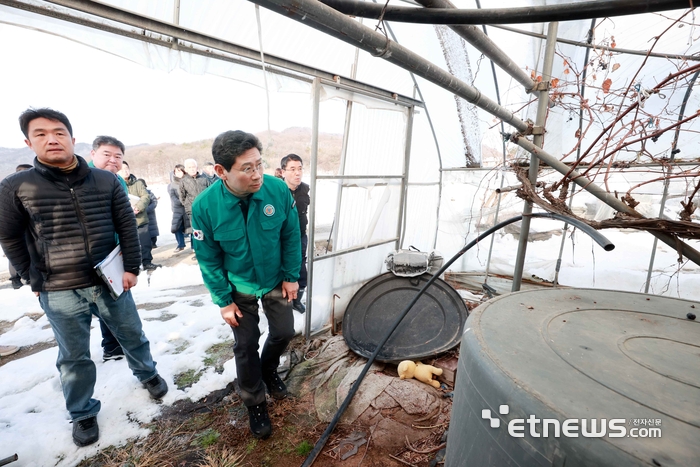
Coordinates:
[70,314]
[180,237]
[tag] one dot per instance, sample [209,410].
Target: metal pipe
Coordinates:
[503,175]
[319,16]
[667,182]
[357,248]
[485,45]
[589,40]
[341,168]
[437,144]
[534,14]
[506,189]
[316,98]
[617,50]
[335,295]
[176,20]
[404,180]
[542,107]
[358,177]
[327,20]
[183,34]
[674,242]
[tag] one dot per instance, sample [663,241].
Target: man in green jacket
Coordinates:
[247,242]
[107,154]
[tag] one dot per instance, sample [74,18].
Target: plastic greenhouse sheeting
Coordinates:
[446,203]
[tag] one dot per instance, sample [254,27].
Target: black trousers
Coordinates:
[145,241]
[251,366]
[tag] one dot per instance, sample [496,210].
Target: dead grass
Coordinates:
[166,446]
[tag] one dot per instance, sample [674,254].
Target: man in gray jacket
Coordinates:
[72,213]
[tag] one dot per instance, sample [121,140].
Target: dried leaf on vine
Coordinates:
[555,82]
[606,85]
[566,71]
[631,202]
[616,66]
[533,74]
[539,79]
[578,133]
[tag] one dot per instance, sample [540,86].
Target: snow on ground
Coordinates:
[33,419]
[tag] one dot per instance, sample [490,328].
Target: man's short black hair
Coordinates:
[103,140]
[125,163]
[207,164]
[49,114]
[22,167]
[290,157]
[231,144]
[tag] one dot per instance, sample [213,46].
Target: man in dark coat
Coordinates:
[180,221]
[208,171]
[107,154]
[293,168]
[152,219]
[191,185]
[73,214]
[140,199]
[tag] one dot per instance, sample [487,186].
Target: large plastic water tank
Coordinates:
[614,377]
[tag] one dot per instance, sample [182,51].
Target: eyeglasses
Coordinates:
[249,170]
[295,169]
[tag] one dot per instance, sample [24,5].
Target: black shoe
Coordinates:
[179,249]
[86,431]
[275,386]
[260,425]
[150,266]
[296,303]
[116,354]
[157,387]
[16,282]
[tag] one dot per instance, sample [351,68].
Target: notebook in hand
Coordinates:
[111,270]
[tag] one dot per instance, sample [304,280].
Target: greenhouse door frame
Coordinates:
[317,84]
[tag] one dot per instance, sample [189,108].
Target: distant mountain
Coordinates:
[10,158]
[155,162]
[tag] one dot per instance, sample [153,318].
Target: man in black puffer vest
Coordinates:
[72,214]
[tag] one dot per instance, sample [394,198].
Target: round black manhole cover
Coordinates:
[432,326]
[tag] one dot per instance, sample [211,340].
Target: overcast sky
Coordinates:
[105,94]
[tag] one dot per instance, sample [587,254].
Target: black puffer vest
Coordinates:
[71,220]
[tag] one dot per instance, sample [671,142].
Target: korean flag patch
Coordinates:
[198,235]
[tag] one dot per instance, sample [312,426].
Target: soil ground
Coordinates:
[214,431]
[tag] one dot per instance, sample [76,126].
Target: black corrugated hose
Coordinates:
[595,235]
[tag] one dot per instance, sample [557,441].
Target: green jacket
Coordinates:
[121,180]
[253,257]
[126,190]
